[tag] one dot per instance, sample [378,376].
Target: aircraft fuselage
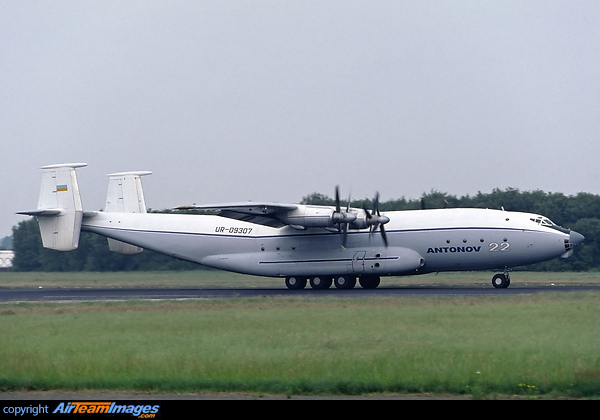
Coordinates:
[419,241]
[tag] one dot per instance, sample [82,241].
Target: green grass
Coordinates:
[216,278]
[538,345]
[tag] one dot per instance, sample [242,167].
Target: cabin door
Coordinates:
[358,262]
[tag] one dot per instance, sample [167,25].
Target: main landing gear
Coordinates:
[343,282]
[501,281]
[295,283]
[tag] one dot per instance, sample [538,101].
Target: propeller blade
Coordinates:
[342,218]
[375,220]
[367,214]
[344,235]
[383,235]
[376,203]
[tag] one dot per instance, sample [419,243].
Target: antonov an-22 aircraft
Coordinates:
[318,244]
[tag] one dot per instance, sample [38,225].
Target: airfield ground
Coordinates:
[529,346]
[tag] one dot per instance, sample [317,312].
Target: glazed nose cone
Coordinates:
[576,238]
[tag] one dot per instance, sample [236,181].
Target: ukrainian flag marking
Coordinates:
[62,187]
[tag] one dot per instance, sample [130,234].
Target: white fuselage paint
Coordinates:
[419,241]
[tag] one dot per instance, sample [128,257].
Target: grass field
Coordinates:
[541,345]
[217,278]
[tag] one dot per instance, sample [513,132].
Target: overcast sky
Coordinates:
[273,100]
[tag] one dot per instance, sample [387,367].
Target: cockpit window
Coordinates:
[544,221]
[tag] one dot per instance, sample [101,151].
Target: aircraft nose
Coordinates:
[575,238]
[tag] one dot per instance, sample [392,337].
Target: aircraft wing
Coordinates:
[260,213]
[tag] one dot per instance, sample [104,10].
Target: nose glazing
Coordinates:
[575,238]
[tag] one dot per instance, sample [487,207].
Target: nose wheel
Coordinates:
[501,281]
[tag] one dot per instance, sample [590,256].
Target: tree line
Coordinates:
[580,212]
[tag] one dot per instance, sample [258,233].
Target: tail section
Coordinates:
[59,210]
[60,213]
[125,195]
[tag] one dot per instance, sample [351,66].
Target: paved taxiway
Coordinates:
[51,294]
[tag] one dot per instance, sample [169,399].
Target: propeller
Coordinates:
[342,218]
[375,220]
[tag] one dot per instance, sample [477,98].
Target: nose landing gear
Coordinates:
[501,281]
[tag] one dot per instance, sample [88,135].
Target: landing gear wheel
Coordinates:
[369,282]
[344,282]
[320,282]
[295,283]
[500,281]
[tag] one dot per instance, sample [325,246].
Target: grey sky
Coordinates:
[273,100]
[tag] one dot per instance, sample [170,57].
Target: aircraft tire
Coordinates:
[344,282]
[320,282]
[369,282]
[500,281]
[295,283]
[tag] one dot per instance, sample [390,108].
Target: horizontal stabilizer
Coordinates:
[40,213]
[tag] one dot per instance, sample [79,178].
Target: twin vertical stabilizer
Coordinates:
[125,195]
[60,212]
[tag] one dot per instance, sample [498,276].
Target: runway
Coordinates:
[86,294]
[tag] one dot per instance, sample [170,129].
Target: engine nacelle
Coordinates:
[310,216]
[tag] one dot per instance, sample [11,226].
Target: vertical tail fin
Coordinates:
[59,210]
[125,195]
